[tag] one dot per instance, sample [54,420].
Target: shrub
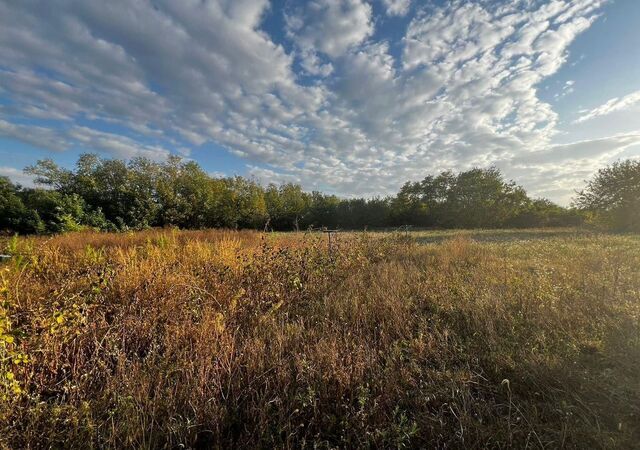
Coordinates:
[218,339]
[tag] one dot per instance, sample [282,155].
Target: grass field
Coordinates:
[214,339]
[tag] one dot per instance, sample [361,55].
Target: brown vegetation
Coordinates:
[215,339]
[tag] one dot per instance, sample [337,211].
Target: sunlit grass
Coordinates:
[221,338]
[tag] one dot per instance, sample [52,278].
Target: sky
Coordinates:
[350,97]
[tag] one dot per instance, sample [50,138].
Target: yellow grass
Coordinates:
[219,339]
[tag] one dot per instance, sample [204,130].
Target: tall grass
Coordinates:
[218,339]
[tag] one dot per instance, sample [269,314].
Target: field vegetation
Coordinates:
[221,339]
[116,195]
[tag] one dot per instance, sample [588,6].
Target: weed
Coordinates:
[165,338]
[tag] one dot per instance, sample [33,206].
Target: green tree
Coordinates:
[482,198]
[472,199]
[14,216]
[185,194]
[122,195]
[322,211]
[410,206]
[295,204]
[612,197]
[275,208]
[48,173]
[244,206]
[57,212]
[114,194]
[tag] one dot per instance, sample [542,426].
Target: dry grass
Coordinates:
[222,339]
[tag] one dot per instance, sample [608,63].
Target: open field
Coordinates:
[219,339]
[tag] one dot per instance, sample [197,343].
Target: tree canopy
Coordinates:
[111,194]
[612,196]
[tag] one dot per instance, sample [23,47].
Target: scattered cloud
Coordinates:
[338,109]
[17,176]
[567,88]
[330,26]
[558,170]
[267,176]
[397,7]
[603,148]
[611,106]
[115,145]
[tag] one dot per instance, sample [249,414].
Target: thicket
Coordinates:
[114,195]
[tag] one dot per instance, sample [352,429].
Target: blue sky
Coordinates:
[352,97]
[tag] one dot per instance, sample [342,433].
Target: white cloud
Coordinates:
[59,140]
[115,145]
[602,148]
[567,89]
[397,7]
[330,26]
[17,176]
[267,176]
[558,170]
[34,135]
[173,75]
[611,106]
[313,65]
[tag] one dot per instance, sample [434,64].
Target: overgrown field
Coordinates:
[215,339]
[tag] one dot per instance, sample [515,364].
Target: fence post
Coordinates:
[330,242]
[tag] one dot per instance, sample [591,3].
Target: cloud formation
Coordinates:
[397,7]
[611,106]
[341,110]
[330,26]
[17,176]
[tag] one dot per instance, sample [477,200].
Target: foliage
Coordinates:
[117,195]
[238,339]
[13,214]
[478,198]
[612,197]
[37,211]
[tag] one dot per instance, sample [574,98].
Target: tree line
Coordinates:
[111,194]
